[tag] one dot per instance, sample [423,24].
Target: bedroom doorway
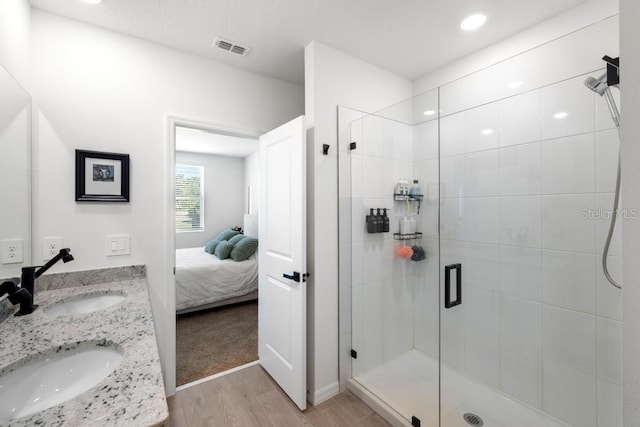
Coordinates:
[217,188]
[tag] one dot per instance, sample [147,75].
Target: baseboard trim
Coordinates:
[218,375]
[379,407]
[325,393]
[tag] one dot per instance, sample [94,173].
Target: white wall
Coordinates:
[99,90]
[630,152]
[252,178]
[332,78]
[15,21]
[223,196]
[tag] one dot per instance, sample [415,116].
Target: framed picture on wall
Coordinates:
[102,177]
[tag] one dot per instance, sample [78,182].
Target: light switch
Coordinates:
[118,244]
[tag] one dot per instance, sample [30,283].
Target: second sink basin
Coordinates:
[82,304]
[54,377]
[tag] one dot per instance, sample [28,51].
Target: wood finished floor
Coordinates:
[250,397]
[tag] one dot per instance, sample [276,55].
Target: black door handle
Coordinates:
[295,277]
[447,285]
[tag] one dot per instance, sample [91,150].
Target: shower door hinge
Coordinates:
[352,146]
[415,421]
[354,354]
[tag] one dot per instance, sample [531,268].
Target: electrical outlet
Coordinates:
[50,247]
[11,251]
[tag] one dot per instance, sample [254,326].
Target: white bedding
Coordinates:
[202,278]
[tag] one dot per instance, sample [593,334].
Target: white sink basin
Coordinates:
[54,377]
[84,304]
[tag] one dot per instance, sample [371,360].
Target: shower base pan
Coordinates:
[407,386]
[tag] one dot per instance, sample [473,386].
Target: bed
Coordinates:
[204,281]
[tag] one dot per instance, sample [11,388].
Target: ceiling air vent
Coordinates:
[230,46]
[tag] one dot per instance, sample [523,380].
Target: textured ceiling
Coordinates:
[407,37]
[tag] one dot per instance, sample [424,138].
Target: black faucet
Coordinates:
[30,274]
[17,295]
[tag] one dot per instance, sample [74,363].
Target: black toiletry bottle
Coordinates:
[385,221]
[371,222]
[380,223]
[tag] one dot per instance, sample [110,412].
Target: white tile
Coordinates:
[572,98]
[610,350]
[607,149]
[521,324]
[521,272]
[481,128]
[372,346]
[569,395]
[521,375]
[345,357]
[481,218]
[397,141]
[355,134]
[345,266]
[565,225]
[521,221]
[344,174]
[569,338]
[604,211]
[357,308]
[344,208]
[481,174]
[568,165]
[569,280]
[372,135]
[452,177]
[609,404]
[520,119]
[609,297]
[357,266]
[425,140]
[398,336]
[392,172]
[372,177]
[357,343]
[452,134]
[371,258]
[426,339]
[481,267]
[481,358]
[452,352]
[481,311]
[520,170]
[451,219]
[373,307]
[357,165]
[345,311]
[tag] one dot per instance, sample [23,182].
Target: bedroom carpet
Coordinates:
[212,341]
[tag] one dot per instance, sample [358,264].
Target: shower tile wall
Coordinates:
[539,321]
[382,294]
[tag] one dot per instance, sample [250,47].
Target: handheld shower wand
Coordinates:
[601,86]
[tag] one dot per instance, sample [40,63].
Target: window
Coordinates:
[189,198]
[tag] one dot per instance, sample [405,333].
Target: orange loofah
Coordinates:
[404,252]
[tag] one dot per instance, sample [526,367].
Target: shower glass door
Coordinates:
[395,257]
[527,174]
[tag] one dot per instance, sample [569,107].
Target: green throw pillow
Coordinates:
[235,239]
[224,249]
[226,234]
[211,246]
[244,248]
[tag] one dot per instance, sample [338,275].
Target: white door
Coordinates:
[282,302]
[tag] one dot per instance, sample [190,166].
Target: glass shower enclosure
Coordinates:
[476,294]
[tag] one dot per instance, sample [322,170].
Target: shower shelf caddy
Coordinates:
[408,198]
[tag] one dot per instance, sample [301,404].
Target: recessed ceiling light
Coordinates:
[561,115]
[93,1]
[487,131]
[514,84]
[473,21]
[429,113]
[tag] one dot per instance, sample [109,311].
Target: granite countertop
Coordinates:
[132,395]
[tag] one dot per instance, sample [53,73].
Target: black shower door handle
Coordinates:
[448,303]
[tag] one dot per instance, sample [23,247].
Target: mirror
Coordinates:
[15,176]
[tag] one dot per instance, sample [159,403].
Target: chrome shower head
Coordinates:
[598,85]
